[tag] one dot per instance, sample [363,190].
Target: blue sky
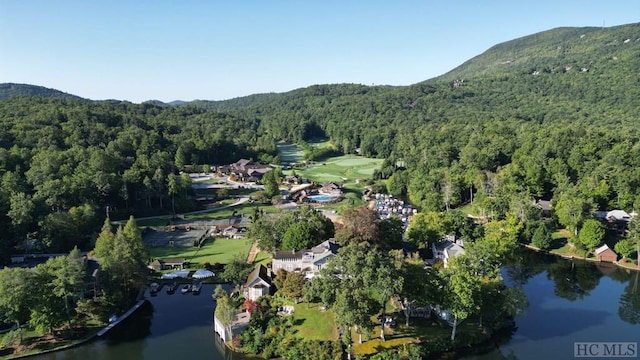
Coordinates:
[168,50]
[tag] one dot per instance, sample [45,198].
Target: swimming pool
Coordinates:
[323,197]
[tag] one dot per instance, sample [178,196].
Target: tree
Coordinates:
[386,282]
[21,212]
[390,233]
[625,247]
[345,285]
[634,234]
[542,237]
[421,286]
[271,183]
[360,225]
[225,313]
[571,208]
[68,284]
[15,293]
[237,270]
[48,312]
[426,229]
[173,190]
[263,230]
[462,289]
[397,183]
[123,258]
[298,236]
[293,286]
[591,235]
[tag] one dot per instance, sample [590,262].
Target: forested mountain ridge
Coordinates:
[9,90]
[557,50]
[498,141]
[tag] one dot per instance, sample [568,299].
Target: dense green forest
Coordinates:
[558,124]
[10,90]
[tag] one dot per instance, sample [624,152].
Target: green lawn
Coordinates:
[346,168]
[263,257]
[313,324]
[219,251]
[419,330]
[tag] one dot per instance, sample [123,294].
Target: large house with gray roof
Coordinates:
[308,261]
[447,248]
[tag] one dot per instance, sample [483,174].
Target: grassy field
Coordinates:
[420,330]
[219,251]
[263,258]
[345,168]
[313,324]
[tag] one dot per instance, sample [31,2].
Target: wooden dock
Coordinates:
[124,316]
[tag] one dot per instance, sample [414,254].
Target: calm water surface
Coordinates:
[177,326]
[568,302]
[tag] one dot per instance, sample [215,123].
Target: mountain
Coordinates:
[555,50]
[10,90]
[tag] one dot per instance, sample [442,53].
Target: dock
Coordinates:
[120,318]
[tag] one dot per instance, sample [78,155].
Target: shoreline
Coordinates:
[576,257]
[97,333]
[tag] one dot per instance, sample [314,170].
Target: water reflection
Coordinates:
[569,301]
[629,308]
[168,326]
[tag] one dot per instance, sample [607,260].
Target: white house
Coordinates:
[239,324]
[447,248]
[258,283]
[309,262]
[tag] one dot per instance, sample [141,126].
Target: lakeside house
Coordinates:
[447,248]
[604,253]
[240,324]
[307,261]
[616,220]
[258,283]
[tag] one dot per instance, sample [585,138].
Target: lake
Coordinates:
[177,326]
[568,302]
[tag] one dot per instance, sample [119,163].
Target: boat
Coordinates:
[195,288]
[172,288]
[186,288]
[154,289]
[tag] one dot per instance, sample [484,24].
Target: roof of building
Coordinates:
[242,162]
[451,248]
[327,247]
[260,272]
[172,260]
[602,249]
[544,205]
[288,254]
[618,215]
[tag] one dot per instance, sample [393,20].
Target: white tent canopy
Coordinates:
[176,274]
[202,273]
